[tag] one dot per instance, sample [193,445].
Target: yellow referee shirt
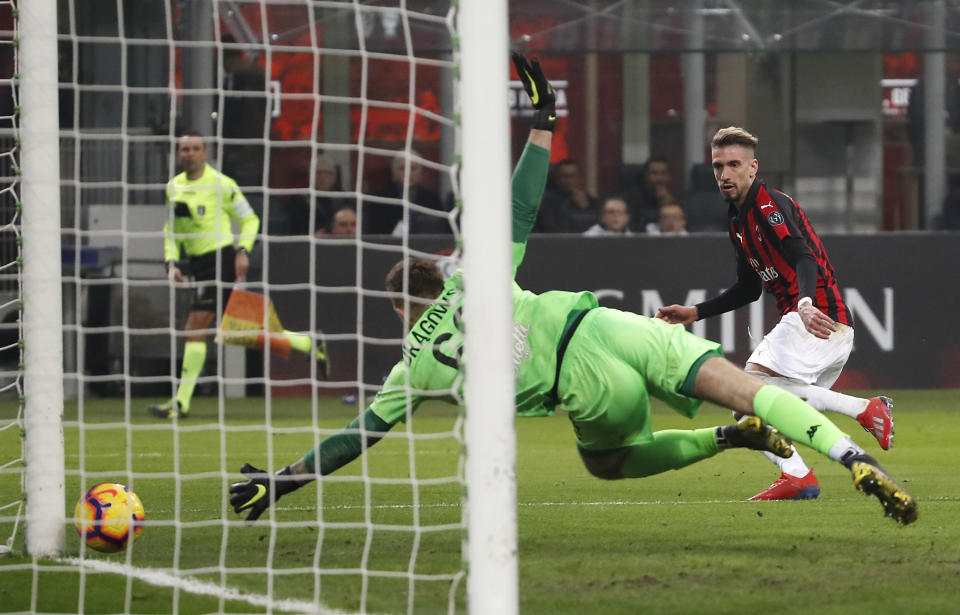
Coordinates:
[200,212]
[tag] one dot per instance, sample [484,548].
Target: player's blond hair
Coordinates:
[734,135]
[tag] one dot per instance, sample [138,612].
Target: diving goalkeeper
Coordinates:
[599,365]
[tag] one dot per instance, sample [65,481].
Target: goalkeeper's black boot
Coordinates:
[323,357]
[870,478]
[752,432]
[168,410]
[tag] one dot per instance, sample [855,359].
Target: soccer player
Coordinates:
[599,365]
[202,202]
[777,249]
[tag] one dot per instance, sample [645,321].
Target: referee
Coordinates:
[202,202]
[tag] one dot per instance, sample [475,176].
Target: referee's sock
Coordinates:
[194,355]
[800,422]
[300,342]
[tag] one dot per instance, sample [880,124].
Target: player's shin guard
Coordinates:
[670,449]
[796,419]
[194,355]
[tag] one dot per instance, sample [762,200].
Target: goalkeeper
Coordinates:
[202,202]
[599,365]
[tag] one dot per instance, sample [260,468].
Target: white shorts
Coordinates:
[790,350]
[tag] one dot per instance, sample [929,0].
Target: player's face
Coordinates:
[191,153]
[735,169]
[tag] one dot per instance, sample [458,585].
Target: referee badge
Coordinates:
[775,218]
[203,208]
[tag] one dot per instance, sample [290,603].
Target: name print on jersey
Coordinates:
[423,331]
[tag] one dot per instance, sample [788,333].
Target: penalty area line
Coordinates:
[162,578]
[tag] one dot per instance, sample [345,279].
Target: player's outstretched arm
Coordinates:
[262,489]
[541,93]
[530,175]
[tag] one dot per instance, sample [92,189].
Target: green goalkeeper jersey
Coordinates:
[201,210]
[431,363]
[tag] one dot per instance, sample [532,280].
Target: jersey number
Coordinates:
[453,362]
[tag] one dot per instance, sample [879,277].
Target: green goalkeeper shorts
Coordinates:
[615,361]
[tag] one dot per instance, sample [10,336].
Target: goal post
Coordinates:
[42,308]
[488,309]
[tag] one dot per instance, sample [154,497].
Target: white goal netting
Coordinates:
[338,122]
[11,356]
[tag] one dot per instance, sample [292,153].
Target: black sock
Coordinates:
[728,436]
[852,456]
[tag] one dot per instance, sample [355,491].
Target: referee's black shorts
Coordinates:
[204,269]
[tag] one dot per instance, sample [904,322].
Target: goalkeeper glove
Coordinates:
[539,90]
[260,491]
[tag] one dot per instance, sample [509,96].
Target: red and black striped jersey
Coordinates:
[758,232]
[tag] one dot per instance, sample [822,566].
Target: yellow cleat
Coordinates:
[872,480]
[168,410]
[761,436]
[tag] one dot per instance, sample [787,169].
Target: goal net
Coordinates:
[340,124]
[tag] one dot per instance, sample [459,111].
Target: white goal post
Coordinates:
[42,308]
[488,310]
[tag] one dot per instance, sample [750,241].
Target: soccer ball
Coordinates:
[108,517]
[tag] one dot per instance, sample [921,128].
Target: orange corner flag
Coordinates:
[243,320]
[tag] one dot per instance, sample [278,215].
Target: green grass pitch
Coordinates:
[681,542]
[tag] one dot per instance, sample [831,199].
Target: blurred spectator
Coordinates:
[244,115]
[343,224]
[326,179]
[915,119]
[646,192]
[670,221]
[614,219]
[705,210]
[387,218]
[566,207]
[950,217]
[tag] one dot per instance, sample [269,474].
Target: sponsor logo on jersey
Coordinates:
[520,349]
[767,205]
[767,274]
[775,218]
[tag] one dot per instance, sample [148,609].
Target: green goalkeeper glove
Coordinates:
[539,90]
[260,491]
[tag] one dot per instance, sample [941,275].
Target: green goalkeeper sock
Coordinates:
[194,355]
[671,449]
[298,341]
[796,419]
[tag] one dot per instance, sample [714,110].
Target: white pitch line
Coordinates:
[203,588]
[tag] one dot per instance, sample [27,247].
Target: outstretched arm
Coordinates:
[262,489]
[746,290]
[530,175]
